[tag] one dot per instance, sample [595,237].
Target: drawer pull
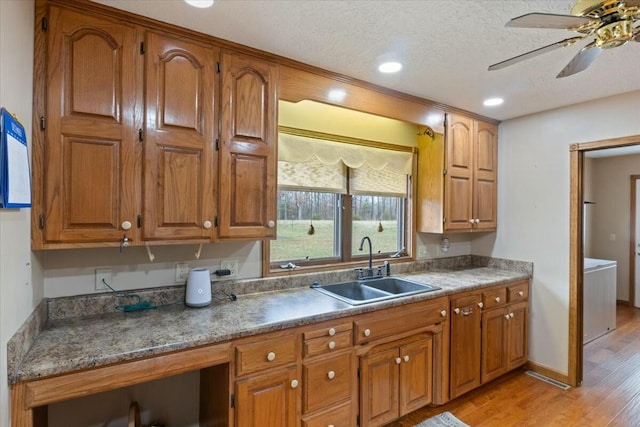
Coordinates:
[456,310]
[497,299]
[521,293]
[332,331]
[294,383]
[398,361]
[271,356]
[366,332]
[443,313]
[330,425]
[480,305]
[468,312]
[331,375]
[332,345]
[406,358]
[206,225]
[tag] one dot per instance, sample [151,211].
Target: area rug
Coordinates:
[445,419]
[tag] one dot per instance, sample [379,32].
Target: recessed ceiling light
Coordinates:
[390,67]
[492,102]
[200,3]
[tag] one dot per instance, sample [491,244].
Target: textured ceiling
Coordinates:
[445,46]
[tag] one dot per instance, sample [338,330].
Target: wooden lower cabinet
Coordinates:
[269,400]
[336,416]
[465,338]
[395,380]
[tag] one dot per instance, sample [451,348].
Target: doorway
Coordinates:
[576,250]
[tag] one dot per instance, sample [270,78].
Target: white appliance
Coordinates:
[198,292]
[599,297]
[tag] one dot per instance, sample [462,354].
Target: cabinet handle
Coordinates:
[126,225]
[443,313]
[367,332]
[398,360]
[206,225]
[294,383]
[330,425]
[497,299]
[480,305]
[271,224]
[331,375]
[332,331]
[468,312]
[406,358]
[511,315]
[506,316]
[332,345]
[471,221]
[477,221]
[271,356]
[521,293]
[456,310]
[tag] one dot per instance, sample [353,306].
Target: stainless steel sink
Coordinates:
[373,290]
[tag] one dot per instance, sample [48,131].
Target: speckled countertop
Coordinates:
[70,344]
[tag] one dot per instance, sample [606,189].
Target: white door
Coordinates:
[636,303]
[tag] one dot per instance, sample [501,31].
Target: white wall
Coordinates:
[611,215]
[533,207]
[20,275]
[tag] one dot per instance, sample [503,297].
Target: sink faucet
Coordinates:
[370,253]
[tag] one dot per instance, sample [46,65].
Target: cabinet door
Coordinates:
[379,375]
[465,345]
[494,343]
[517,335]
[92,156]
[416,375]
[459,176]
[485,181]
[248,157]
[270,400]
[179,156]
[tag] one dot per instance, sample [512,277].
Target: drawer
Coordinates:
[328,344]
[494,297]
[329,329]
[518,292]
[270,353]
[337,416]
[327,381]
[394,321]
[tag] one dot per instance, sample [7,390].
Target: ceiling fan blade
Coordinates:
[581,61]
[550,20]
[533,53]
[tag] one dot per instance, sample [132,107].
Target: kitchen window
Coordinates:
[332,191]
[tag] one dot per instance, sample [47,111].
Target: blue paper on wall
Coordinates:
[15,176]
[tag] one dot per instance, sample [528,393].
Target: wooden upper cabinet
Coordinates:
[457,178]
[90,173]
[180,162]
[248,157]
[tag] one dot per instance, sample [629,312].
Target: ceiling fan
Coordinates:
[612,23]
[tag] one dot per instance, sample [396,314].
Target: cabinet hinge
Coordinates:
[218,68]
[140,135]
[233,400]
[217,144]
[444,171]
[139,221]
[41,221]
[358,419]
[141,48]
[444,220]
[44,25]
[42,123]
[215,221]
[358,372]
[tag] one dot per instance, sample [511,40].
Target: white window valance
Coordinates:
[312,164]
[301,149]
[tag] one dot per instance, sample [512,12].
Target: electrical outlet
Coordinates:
[231,265]
[182,272]
[103,275]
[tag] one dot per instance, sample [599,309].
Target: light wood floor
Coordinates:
[609,396]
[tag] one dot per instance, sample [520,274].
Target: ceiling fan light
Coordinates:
[390,67]
[493,102]
[202,4]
